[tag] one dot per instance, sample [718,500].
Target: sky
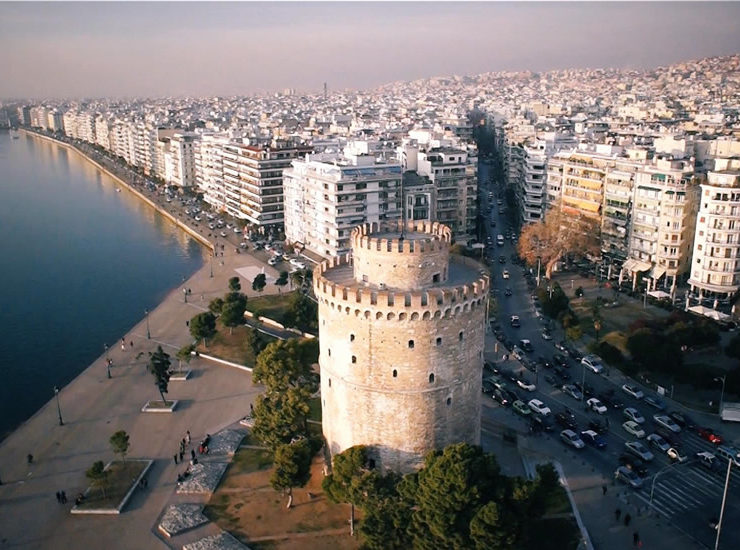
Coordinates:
[117,49]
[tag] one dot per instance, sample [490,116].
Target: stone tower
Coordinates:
[401,332]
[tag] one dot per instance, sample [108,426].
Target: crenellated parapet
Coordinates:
[428,237]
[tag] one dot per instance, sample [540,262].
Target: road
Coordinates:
[688,495]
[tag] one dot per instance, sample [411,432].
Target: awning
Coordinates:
[658,272]
[633,265]
[711,313]
[659,294]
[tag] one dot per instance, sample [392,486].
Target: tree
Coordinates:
[296,278]
[281,281]
[255,342]
[292,467]
[203,326]
[259,283]
[185,353]
[216,305]
[280,417]
[98,476]
[119,441]
[232,314]
[282,365]
[563,232]
[303,313]
[234,284]
[159,366]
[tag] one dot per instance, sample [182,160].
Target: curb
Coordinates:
[124,501]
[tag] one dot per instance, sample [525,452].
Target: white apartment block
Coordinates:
[55,121]
[180,160]
[86,127]
[69,119]
[144,146]
[328,194]
[253,180]
[121,140]
[715,265]
[102,132]
[209,170]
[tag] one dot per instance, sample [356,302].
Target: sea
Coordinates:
[80,262]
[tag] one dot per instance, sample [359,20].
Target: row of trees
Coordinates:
[458,500]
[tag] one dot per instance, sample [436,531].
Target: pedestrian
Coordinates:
[123,346]
[187,437]
[131,343]
[192,453]
[635,538]
[175,458]
[603,490]
[617,513]
[64,497]
[627,519]
[187,323]
[29,458]
[251,408]
[182,453]
[59,497]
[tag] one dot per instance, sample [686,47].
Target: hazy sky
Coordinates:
[170,48]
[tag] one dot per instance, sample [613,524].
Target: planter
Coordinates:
[180,376]
[125,477]
[159,407]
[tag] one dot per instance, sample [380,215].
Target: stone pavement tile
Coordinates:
[203,478]
[223,541]
[178,518]
[225,443]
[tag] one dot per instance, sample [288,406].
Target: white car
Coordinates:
[676,455]
[634,391]
[237,230]
[571,438]
[633,414]
[596,405]
[639,450]
[525,384]
[539,407]
[505,274]
[546,335]
[633,428]
[666,422]
[593,363]
[273,261]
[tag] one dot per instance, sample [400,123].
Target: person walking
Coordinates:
[636,542]
[182,453]
[627,519]
[64,497]
[617,513]
[187,437]
[59,497]
[174,457]
[29,458]
[603,490]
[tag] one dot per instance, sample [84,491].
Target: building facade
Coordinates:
[401,333]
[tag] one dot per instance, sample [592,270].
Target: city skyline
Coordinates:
[98,50]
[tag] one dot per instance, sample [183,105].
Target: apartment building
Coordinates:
[664,208]
[327,194]
[102,132]
[69,121]
[55,122]
[209,172]
[253,180]
[86,127]
[24,115]
[715,264]
[180,160]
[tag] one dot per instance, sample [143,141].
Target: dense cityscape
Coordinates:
[487,311]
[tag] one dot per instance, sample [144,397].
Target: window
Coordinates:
[354,359]
[439,340]
[449,401]
[329,352]
[431,378]
[330,382]
[435,278]
[351,337]
[395,373]
[411,344]
[460,336]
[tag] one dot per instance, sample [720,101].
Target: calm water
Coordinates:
[79,263]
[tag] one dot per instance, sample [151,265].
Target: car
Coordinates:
[609,398]
[526,345]
[667,422]
[631,413]
[525,384]
[593,363]
[544,422]
[570,389]
[273,261]
[507,292]
[709,461]
[550,379]
[634,464]
[596,406]
[676,455]
[505,274]
[633,428]
[567,420]
[517,353]
[656,441]
[682,419]
[562,346]
[628,476]
[634,391]
[539,407]
[502,259]
[573,352]
[560,360]
[237,230]
[727,452]
[569,437]
[599,426]
[654,401]
[223,233]
[487,387]
[520,407]
[515,322]
[639,450]
[593,439]
[561,373]
[546,335]
[668,435]
[509,374]
[710,435]
[543,362]
[585,389]
[500,396]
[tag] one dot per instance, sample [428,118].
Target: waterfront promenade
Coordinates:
[93,407]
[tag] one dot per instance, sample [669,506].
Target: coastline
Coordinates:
[189,230]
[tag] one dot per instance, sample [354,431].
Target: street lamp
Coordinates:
[148,334]
[597,328]
[724,501]
[212,253]
[59,409]
[107,359]
[721,395]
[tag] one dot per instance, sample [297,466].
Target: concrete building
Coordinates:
[715,265]
[253,180]
[55,121]
[24,115]
[328,194]
[102,132]
[180,160]
[209,172]
[401,335]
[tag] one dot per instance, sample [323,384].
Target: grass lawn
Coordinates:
[120,479]
[231,347]
[273,307]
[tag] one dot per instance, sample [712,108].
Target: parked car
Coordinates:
[520,407]
[593,363]
[657,442]
[585,389]
[597,406]
[633,428]
[634,391]
[654,401]
[709,461]
[505,274]
[546,335]
[487,387]
[515,322]
[561,373]
[634,464]
[631,413]
[562,346]
[525,384]
[569,437]
[625,475]
[682,419]
[570,389]
[710,435]
[560,360]
[544,422]
[593,439]
[599,426]
[668,435]
[566,420]
[526,345]
[667,422]
[517,353]
[501,397]
[639,450]
[610,399]
[539,407]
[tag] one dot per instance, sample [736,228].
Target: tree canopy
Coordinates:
[119,442]
[203,326]
[282,280]
[98,475]
[232,314]
[234,284]
[292,467]
[259,282]
[159,366]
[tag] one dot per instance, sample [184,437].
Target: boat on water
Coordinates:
[118,189]
[14,134]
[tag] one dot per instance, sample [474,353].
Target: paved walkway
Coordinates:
[94,407]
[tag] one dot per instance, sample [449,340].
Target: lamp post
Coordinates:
[185,294]
[59,409]
[597,328]
[107,359]
[212,253]
[724,501]
[721,395]
[148,334]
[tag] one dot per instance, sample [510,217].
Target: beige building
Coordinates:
[401,332]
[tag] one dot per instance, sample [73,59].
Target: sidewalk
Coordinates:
[94,407]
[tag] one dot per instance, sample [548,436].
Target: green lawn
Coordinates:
[251,460]
[273,307]
[121,477]
[231,346]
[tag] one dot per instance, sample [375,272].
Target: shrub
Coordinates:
[579,292]
[609,353]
